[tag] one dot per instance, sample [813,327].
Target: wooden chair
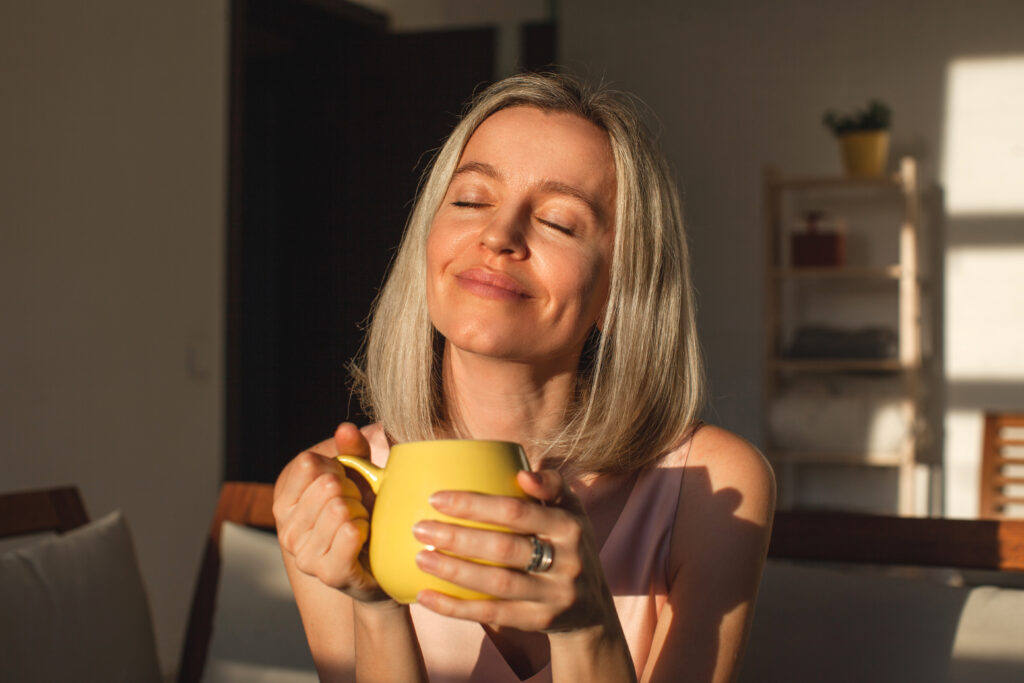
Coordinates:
[995,457]
[243,503]
[33,512]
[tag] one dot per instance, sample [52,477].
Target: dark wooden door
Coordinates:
[334,121]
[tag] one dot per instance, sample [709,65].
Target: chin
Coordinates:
[489,346]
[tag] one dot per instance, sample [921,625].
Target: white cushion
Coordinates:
[818,624]
[257,631]
[989,645]
[73,608]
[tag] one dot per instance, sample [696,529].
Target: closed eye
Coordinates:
[469,205]
[556,226]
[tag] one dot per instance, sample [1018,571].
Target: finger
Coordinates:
[520,615]
[346,551]
[519,515]
[295,524]
[348,487]
[549,486]
[350,441]
[330,550]
[544,485]
[296,478]
[300,475]
[502,583]
[498,547]
[339,515]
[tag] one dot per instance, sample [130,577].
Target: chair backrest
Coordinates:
[32,512]
[1002,451]
[243,503]
[917,541]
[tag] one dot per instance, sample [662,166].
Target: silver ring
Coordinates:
[543,556]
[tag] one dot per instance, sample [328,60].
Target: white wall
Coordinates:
[505,15]
[737,84]
[112,149]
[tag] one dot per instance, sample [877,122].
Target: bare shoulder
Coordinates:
[716,554]
[723,465]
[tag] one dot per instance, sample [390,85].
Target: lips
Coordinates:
[491,285]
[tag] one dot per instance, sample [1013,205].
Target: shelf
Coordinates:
[882,283]
[841,273]
[894,181]
[840,364]
[870,459]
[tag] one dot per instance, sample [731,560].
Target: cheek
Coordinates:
[584,285]
[440,250]
[435,258]
[598,289]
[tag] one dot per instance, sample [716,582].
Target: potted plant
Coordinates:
[863,137]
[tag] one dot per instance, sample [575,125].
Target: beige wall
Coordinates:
[112,133]
[738,84]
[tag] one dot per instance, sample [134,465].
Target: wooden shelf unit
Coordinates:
[904,367]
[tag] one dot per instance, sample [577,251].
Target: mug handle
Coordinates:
[370,472]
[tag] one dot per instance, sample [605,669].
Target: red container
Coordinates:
[818,249]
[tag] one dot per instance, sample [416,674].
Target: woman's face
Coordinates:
[518,254]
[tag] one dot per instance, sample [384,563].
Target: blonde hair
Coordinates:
[641,383]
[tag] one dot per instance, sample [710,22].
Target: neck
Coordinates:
[489,398]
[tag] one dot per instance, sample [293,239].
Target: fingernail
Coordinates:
[427,599]
[441,499]
[422,531]
[426,560]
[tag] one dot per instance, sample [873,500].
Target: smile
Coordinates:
[491,285]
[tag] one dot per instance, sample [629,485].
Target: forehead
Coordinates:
[530,145]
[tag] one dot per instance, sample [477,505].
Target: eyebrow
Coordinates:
[552,186]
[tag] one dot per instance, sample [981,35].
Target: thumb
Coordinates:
[549,487]
[350,441]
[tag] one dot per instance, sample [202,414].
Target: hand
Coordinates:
[321,521]
[571,595]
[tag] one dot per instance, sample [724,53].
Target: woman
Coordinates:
[541,295]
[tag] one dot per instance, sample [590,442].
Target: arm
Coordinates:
[717,552]
[355,631]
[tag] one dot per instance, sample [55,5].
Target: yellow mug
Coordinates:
[415,471]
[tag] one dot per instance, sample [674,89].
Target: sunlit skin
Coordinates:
[519,251]
[518,261]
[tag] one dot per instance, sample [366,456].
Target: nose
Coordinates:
[505,233]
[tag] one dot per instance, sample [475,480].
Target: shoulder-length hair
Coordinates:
[640,386]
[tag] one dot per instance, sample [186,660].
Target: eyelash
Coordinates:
[560,228]
[477,205]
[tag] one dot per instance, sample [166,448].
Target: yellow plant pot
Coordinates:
[865,153]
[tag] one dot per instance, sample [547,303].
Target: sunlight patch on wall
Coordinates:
[961,468]
[985,312]
[983,169]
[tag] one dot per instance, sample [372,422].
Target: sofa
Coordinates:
[843,598]
[863,598]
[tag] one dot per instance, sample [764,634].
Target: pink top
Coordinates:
[635,560]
